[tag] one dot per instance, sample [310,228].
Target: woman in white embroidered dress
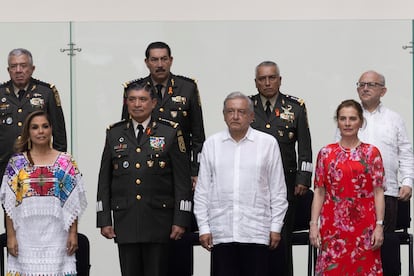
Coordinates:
[43,196]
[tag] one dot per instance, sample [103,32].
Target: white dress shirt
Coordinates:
[385,129]
[240,194]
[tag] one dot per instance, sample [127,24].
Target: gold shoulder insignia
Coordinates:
[181,143]
[296,99]
[56,94]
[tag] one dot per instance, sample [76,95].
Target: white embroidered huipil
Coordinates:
[385,129]
[42,202]
[241,192]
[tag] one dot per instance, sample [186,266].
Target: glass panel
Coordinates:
[320,61]
[44,41]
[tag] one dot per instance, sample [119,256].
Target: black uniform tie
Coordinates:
[140,133]
[268,111]
[159,91]
[21,93]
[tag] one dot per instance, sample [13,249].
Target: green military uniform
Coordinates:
[288,123]
[146,186]
[13,112]
[181,104]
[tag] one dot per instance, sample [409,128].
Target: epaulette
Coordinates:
[128,83]
[296,99]
[123,121]
[168,122]
[39,82]
[5,84]
[186,78]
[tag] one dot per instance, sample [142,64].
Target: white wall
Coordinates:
[320,61]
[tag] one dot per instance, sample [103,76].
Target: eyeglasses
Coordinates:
[369,84]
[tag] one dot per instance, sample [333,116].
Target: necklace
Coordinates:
[350,148]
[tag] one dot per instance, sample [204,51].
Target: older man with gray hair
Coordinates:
[240,199]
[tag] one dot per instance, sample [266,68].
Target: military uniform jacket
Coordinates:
[181,103]
[13,112]
[289,124]
[145,187]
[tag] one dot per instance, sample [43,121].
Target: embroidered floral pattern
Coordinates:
[348,213]
[56,180]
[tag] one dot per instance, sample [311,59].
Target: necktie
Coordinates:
[159,91]
[268,111]
[140,132]
[21,93]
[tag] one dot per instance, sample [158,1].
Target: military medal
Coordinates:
[162,164]
[157,143]
[9,120]
[173,114]
[121,139]
[125,164]
[291,135]
[3,100]
[287,115]
[150,163]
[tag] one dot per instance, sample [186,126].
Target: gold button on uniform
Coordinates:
[161,109]
[164,205]
[267,125]
[19,123]
[138,150]
[20,110]
[137,165]
[138,197]
[138,181]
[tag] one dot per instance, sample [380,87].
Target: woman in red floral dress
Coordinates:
[348,201]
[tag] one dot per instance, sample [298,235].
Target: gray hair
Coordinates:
[268,63]
[238,95]
[381,76]
[19,52]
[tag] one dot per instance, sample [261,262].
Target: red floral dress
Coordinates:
[348,212]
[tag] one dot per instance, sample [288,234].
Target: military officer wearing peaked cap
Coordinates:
[22,95]
[144,184]
[179,101]
[285,118]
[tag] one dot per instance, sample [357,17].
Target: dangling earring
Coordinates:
[29,144]
[51,142]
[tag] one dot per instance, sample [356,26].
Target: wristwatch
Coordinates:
[380,222]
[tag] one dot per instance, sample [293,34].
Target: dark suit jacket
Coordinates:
[181,103]
[13,112]
[146,186]
[288,122]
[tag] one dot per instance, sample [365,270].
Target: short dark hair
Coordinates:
[350,103]
[157,45]
[140,86]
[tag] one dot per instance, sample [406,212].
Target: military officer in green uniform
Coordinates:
[22,95]
[178,101]
[285,118]
[144,185]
